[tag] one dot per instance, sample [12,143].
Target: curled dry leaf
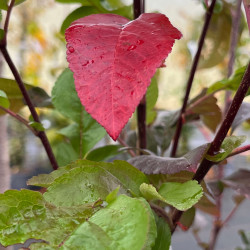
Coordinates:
[150,164]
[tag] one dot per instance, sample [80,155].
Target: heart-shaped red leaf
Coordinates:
[113,61]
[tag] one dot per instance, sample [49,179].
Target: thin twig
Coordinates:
[217,224]
[41,134]
[197,238]
[29,103]
[124,144]
[139,6]
[221,134]
[209,13]
[231,214]
[162,213]
[3,41]
[199,101]
[225,126]
[239,150]
[20,119]
[215,234]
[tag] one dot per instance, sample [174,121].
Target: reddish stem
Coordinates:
[20,119]
[221,134]
[28,101]
[124,144]
[40,134]
[191,77]
[139,6]
[240,150]
[3,41]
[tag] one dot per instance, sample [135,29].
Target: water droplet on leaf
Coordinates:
[139,42]
[71,49]
[131,47]
[86,63]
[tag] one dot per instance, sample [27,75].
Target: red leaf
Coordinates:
[113,61]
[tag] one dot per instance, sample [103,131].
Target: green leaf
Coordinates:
[64,97]
[83,2]
[103,153]
[181,195]
[89,236]
[25,214]
[151,97]
[245,237]
[218,6]
[4,4]
[163,239]
[42,246]
[66,101]
[187,218]
[76,14]
[1,30]
[149,192]
[114,4]
[37,126]
[4,101]
[181,177]
[228,145]
[131,140]
[85,135]
[217,39]
[232,83]
[64,153]
[238,198]
[181,201]
[126,11]
[113,195]
[14,94]
[209,112]
[86,181]
[164,128]
[39,97]
[126,223]
[45,180]
[208,206]
[97,4]
[19,2]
